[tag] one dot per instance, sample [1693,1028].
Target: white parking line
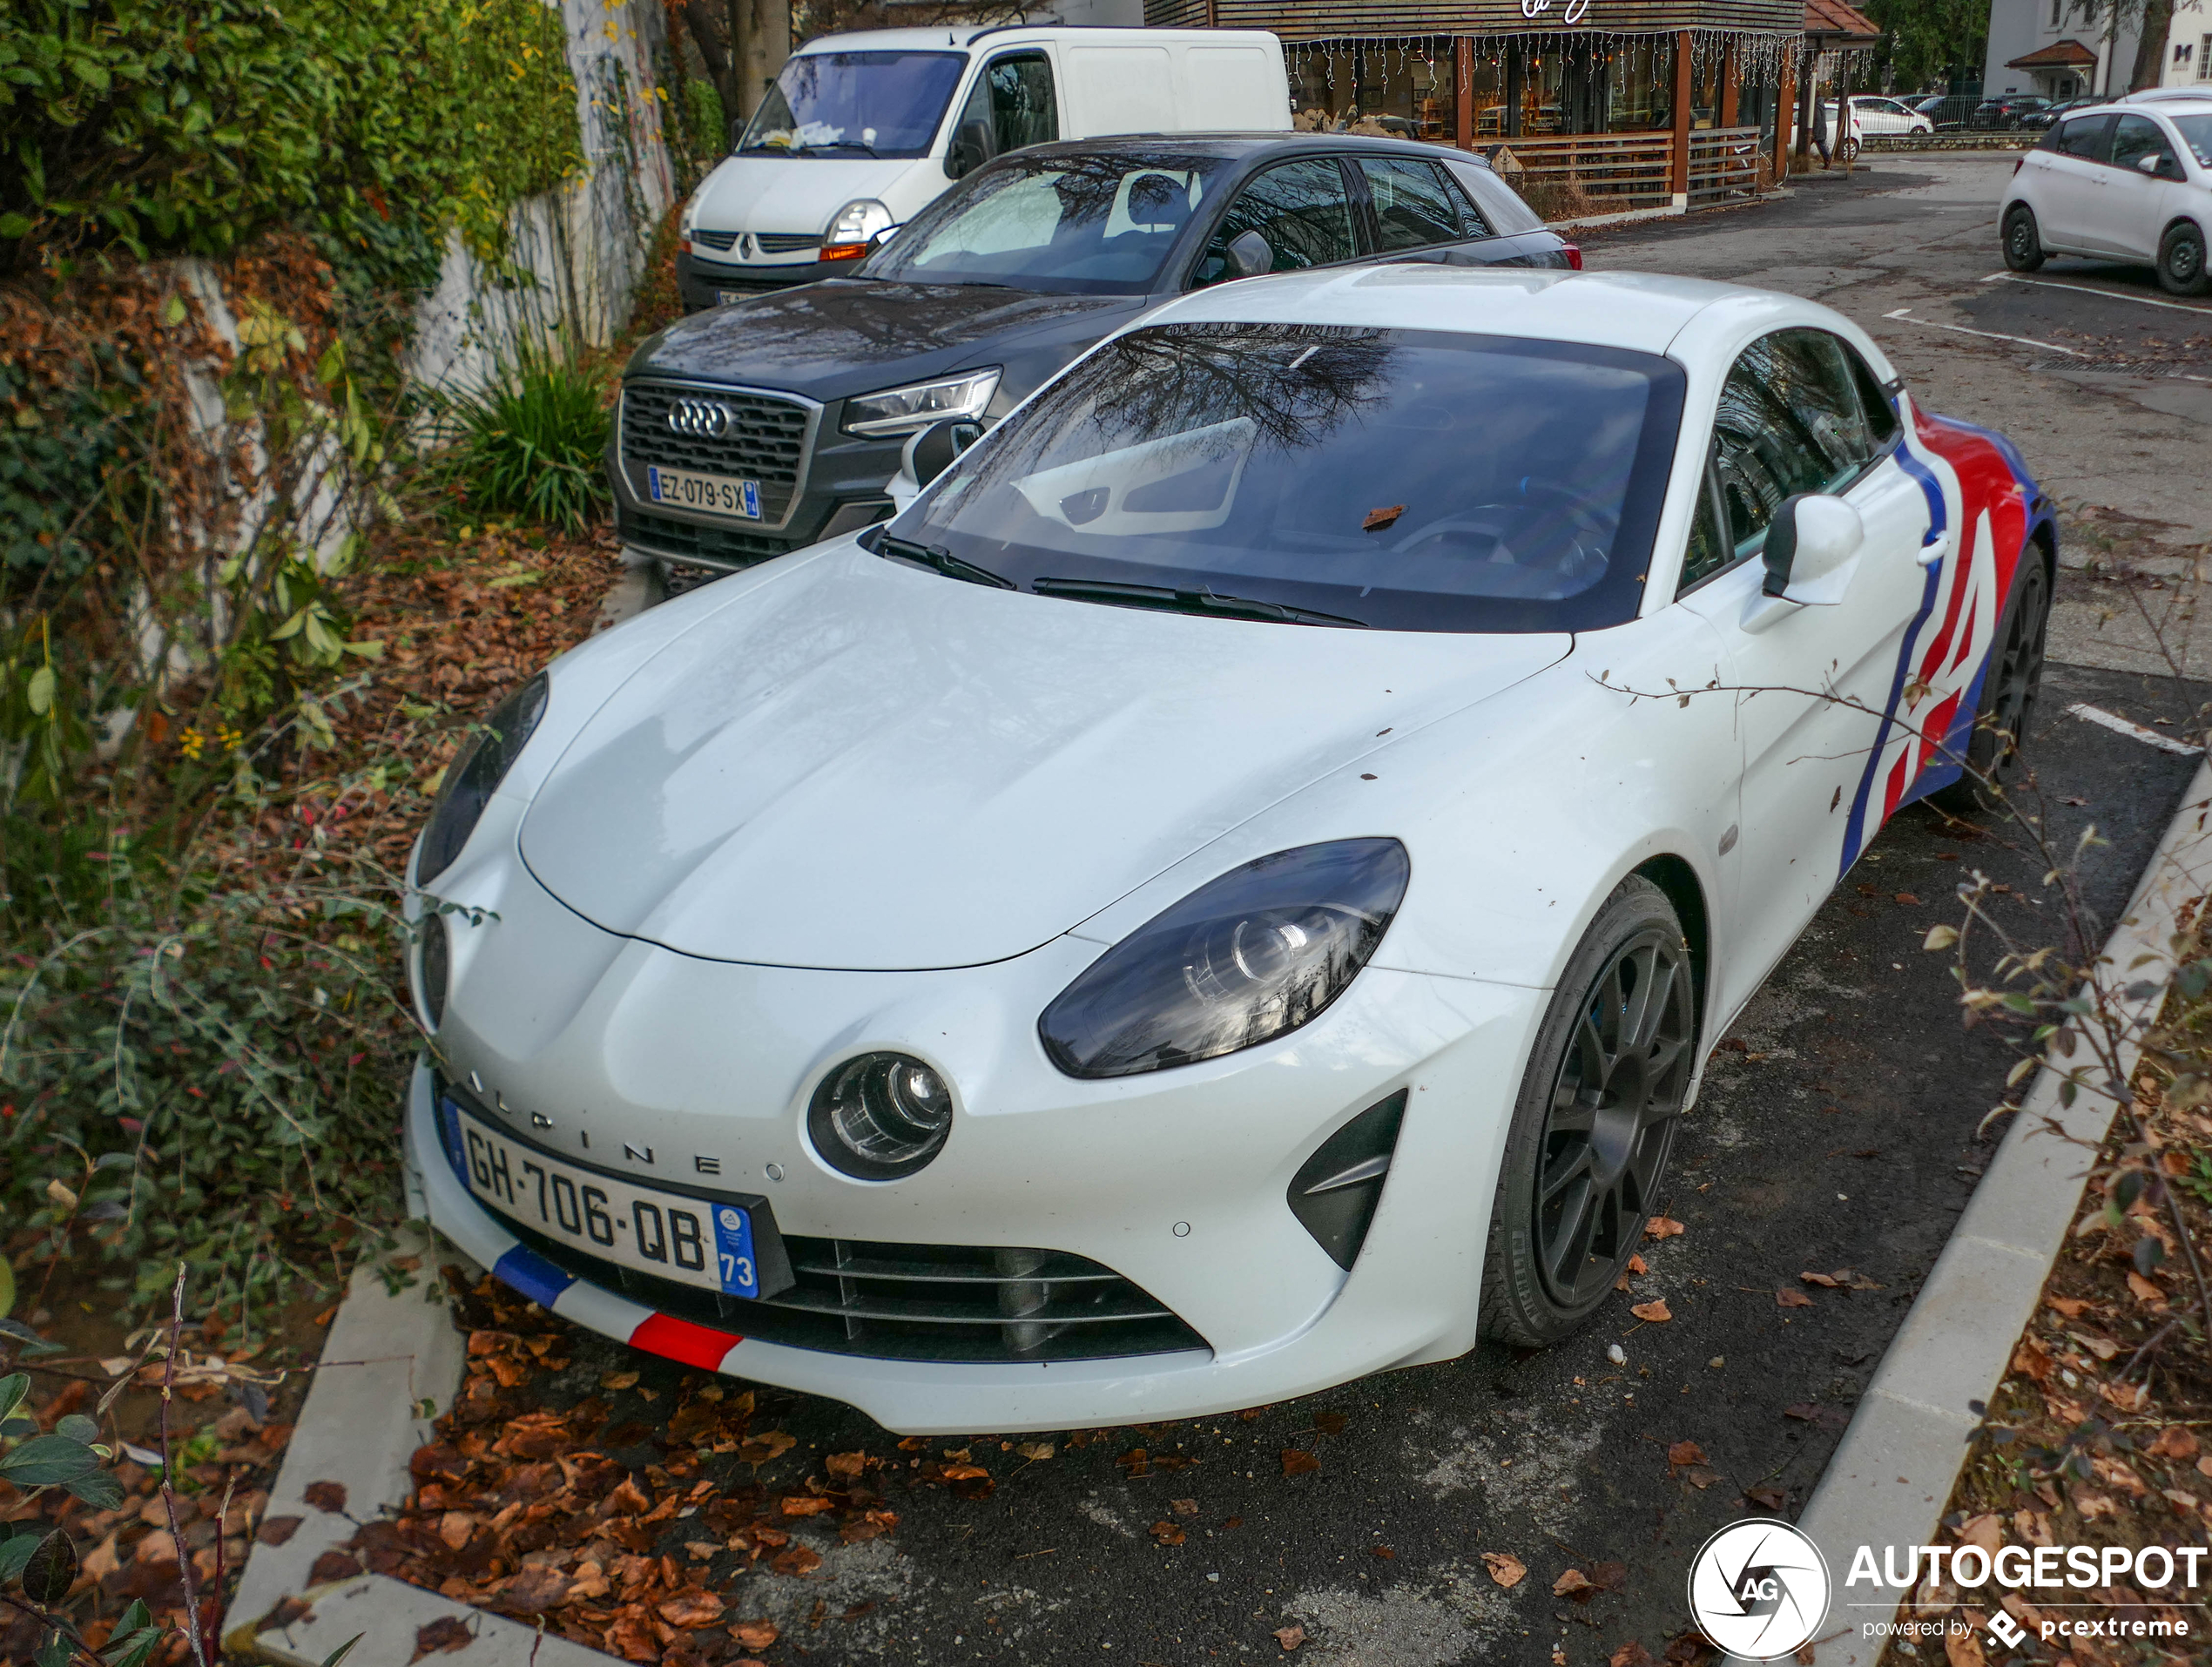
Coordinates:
[1905,313]
[2119,725]
[2085,289]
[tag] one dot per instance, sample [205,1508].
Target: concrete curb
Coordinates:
[391,1364]
[1894,1469]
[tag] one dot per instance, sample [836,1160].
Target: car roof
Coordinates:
[1642,312]
[1248,145]
[953,36]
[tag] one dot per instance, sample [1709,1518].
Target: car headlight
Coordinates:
[1245,958]
[852,225]
[475,775]
[880,1117]
[690,216]
[909,410]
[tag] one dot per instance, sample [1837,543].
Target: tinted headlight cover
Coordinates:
[1245,958]
[473,776]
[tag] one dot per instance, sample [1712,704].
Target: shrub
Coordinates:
[531,441]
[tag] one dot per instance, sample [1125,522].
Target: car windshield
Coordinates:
[1078,224]
[1405,480]
[855,103]
[2196,133]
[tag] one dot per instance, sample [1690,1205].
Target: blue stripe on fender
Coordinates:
[532,1275]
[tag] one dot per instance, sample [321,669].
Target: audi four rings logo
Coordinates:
[700,419]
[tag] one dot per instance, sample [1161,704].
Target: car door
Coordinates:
[1304,209]
[1014,103]
[1801,412]
[2134,207]
[2070,171]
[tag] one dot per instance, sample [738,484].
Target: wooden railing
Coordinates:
[1723,165]
[1607,172]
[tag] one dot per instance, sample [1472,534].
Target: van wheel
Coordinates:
[2023,243]
[1594,1122]
[2181,260]
[2008,690]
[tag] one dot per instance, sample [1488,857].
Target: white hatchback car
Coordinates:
[1231,889]
[2125,182]
[1872,116]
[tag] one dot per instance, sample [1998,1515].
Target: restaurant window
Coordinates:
[1641,82]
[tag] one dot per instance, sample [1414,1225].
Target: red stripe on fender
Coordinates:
[679,1340]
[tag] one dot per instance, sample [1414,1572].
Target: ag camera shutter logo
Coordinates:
[1759,1588]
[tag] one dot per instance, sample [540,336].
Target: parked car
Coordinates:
[1196,910]
[1873,114]
[1947,110]
[2038,119]
[861,131]
[2130,183]
[2006,110]
[763,426]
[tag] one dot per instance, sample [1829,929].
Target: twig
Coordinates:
[193,1623]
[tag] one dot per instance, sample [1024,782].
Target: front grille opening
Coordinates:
[917,1302]
[765,440]
[687,541]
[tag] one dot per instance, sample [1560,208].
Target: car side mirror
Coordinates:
[2150,164]
[1809,544]
[882,236]
[930,453]
[970,150]
[1249,255]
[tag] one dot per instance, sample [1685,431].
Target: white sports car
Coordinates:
[1233,888]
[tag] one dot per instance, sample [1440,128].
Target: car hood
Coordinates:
[792,194]
[853,335]
[855,764]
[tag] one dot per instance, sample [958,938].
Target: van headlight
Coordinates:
[854,227]
[911,409]
[1242,959]
[475,775]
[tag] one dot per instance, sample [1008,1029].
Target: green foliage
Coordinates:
[697,132]
[165,126]
[59,447]
[200,1065]
[1929,40]
[531,441]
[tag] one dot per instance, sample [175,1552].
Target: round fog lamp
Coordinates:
[881,1115]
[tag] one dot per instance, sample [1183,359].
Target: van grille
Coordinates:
[765,441]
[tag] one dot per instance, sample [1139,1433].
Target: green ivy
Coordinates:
[189,126]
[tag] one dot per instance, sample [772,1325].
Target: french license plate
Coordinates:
[693,1241]
[715,493]
[731,297]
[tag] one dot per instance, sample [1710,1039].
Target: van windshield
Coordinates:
[1407,480]
[855,103]
[1097,224]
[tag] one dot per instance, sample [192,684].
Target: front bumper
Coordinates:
[707,282]
[1177,1181]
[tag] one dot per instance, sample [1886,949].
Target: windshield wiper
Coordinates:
[1196,602]
[939,559]
[840,144]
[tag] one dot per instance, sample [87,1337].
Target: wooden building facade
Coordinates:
[1600,104]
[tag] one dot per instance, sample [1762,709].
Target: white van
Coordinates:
[862,130]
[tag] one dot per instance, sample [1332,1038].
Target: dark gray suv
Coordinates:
[777,421]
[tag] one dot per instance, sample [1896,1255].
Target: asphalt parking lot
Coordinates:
[1837,1131]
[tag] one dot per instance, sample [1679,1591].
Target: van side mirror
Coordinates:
[930,453]
[970,149]
[1249,255]
[1809,544]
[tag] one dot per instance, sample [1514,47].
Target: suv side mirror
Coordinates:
[1809,545]
[1249,255]
[930,453]
[970,149]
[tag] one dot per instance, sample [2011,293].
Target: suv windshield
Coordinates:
[1407,480]
[1076,225]
[855,103]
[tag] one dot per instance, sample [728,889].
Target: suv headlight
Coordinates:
[911,409]
[1245,958]
[853,226]
[475,775]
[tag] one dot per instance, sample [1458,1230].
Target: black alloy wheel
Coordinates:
[2182,269]
[2023,243]
[2003,717]
[1595,1120]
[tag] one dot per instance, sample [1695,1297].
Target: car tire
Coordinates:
[2182,269]
[1847,152]
[2023,240]
[2006,709]
[1594,1122]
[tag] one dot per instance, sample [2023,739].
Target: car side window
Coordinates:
[1413,207]
[2083,137]
[1709,551]
[2134,138]
[1792,419]
[1302,208]
[1015,101]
